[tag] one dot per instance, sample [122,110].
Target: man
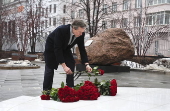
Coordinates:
[58,51]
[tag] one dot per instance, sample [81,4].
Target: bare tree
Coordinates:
[93,11]
[135,21]
[22,24]
[34,13]
[7,26]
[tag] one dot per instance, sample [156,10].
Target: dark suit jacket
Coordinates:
[57,44]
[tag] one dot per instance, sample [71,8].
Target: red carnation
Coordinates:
[101,71]
[45,97]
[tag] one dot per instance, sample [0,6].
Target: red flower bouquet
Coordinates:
[88,91]
[67,94]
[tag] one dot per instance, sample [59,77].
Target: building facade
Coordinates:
[147,22]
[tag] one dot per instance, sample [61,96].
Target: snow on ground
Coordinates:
[158,65]
[14,63]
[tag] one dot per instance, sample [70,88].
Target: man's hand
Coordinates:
[66,69]
[88,68]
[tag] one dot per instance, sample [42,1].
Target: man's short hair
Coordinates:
[78,23]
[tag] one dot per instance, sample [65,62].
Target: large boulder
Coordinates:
[111,46]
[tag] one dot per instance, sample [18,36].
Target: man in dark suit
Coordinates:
[58,51]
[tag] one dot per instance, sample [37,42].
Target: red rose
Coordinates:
[88,91]
[113,82]
[101,71]
[113,90]
[45,97]
[67,94]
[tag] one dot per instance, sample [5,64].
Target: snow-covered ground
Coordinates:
[158,65]
[14,63]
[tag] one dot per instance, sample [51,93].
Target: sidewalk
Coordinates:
[28,82]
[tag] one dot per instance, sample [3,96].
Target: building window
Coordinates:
[114,7]
[54,21]
[104,24]
[124,22]
[64,20]
[156,47]
[64,9]
[96,10]
[46,12]
[125,5]
[72,14]
[49,21]
[159,18]
[113,23]
[50,8]
[46,22]
[105,8]
[55,8]
[81,13]
[156,2]
[42,11]
[167,18]
[137,21]
[138,3]
[73,1]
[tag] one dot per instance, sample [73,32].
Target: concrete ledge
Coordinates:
[107,69]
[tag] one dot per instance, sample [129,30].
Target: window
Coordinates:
[46,13]
[49,21]
[42,11]
[13,28]
[54,21]
[72,14]
[50,8]
[81,14]
[156,47]
[73,1]
[64,20]
[137,21]
[167,18]
[125,5]
[113,23]
[105,8]
[54,8]
[157,2]
[64,9]
[114,7]
[124,22]
[95,10]
[138,3]
[159,18]
[104,24]
[46,23]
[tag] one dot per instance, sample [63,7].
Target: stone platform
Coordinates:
[107,69]
[127,99]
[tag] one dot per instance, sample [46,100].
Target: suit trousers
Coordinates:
[49,72]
